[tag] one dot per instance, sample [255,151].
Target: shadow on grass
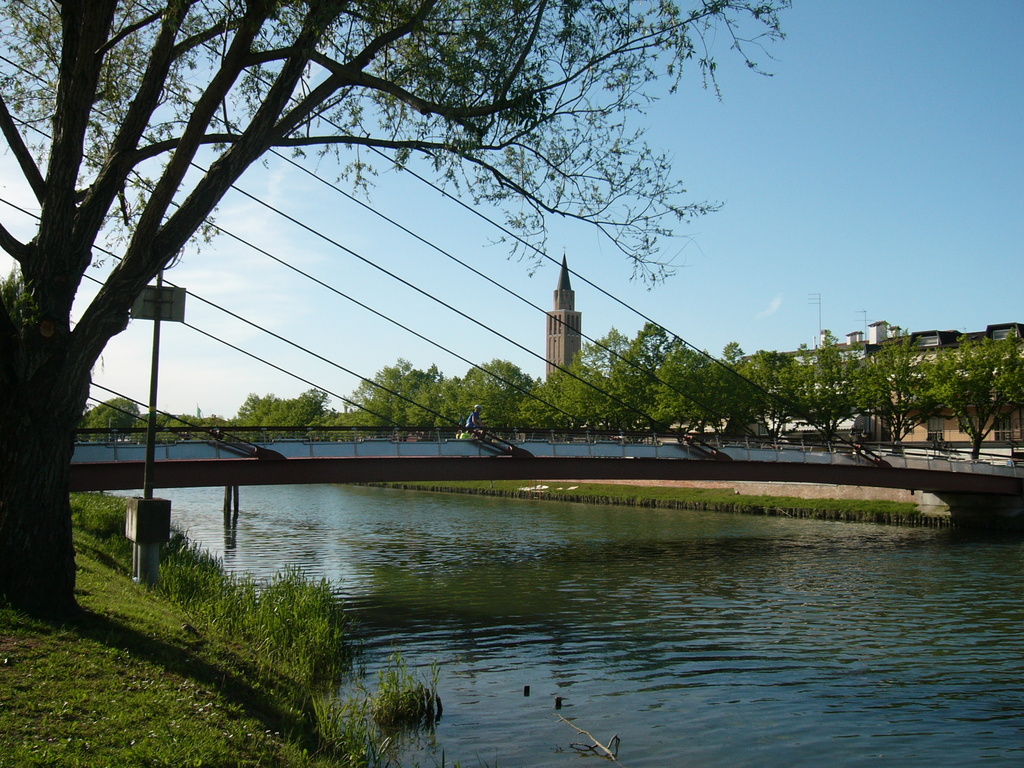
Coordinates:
[220,670]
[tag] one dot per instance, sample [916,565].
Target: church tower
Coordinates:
[564,325]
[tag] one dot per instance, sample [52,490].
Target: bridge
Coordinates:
[279,456]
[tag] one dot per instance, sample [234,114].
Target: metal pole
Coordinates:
[147,482]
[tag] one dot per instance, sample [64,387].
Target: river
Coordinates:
[698,639]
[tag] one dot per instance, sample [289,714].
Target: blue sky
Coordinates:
[880,167]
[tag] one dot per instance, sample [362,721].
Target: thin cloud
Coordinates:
[771,309]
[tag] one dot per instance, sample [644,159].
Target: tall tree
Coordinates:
[130,121]
[401,395]
[705,394]
[825,385]
[583,388]
[978,381]
[633,378]
[308,409]
[681,402]
[892,384]
[776,376]
[502,394]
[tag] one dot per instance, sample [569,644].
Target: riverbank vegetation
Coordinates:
[206,669]
[710,499]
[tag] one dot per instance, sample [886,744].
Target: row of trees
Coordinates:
[655,381]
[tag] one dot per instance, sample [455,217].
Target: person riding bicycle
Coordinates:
[474,423]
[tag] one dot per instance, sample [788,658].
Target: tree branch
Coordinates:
[111,179]
[369,52]
[203,37]
[517,68]
[17,249]
[132,28]
[21,153]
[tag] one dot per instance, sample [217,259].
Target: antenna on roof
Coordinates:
[815,298]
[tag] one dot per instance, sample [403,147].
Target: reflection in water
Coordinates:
[699,639]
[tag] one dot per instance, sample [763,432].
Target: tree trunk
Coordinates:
[37,555]
[976,442]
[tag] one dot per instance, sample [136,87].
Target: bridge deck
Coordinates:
[118,465]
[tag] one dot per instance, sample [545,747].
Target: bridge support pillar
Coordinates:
[968,510]
[230,505]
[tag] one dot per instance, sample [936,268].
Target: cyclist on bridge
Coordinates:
[474,423]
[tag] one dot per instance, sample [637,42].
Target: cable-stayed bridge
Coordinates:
[255,456]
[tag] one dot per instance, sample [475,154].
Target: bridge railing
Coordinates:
[975,466]
[410,441]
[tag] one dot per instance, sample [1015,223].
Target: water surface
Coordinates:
[699,639]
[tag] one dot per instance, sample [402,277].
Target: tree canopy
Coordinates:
[116,413]
[130,122]
[977,381]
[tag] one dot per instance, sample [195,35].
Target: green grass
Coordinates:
[713,499]
[290,624]
[207,669]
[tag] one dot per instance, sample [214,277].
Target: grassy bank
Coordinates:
[206,669]
[711,499]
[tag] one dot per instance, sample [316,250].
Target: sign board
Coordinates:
[163,303]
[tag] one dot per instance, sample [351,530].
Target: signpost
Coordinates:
[148,520]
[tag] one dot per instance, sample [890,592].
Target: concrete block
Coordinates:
[148,521]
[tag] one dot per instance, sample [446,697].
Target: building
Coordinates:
[941,430]
[564,325]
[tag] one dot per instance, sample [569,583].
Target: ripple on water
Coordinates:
[700,639]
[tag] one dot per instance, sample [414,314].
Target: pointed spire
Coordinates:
[564,324]
[563,277]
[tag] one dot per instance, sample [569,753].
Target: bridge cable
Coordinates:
[286,264]
[445,304]
[628,360]
[631,362]
[301,349]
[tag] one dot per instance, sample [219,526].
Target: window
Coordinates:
[1003,428]
[936,429]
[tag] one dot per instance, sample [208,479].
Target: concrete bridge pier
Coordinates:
[975,510]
